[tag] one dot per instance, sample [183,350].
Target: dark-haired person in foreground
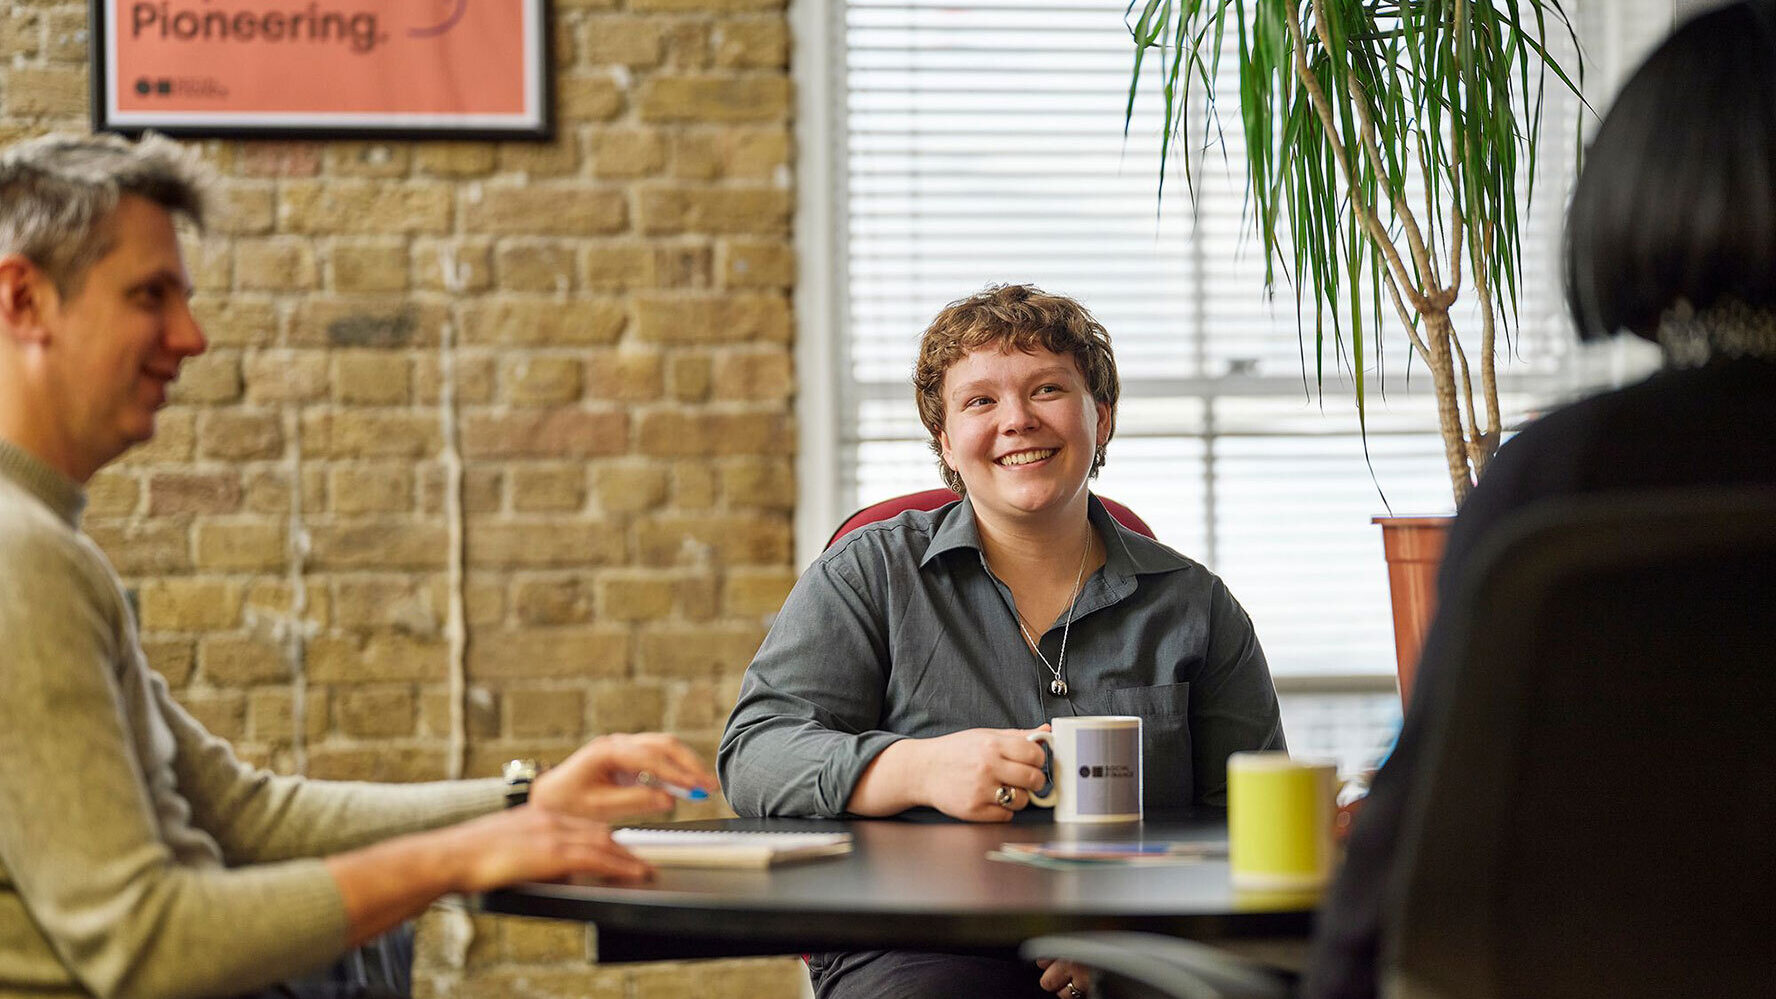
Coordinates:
[138,856]
[1672,236]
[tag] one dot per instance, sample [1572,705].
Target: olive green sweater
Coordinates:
[138,856]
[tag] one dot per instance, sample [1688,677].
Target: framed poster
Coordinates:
[322,68]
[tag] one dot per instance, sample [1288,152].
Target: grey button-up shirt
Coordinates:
[899,630]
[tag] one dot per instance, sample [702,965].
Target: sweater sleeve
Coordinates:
[259,817]
[80,834]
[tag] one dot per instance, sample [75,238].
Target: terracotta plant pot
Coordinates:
[1414,549]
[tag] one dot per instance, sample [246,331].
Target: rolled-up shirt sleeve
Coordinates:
[805,726]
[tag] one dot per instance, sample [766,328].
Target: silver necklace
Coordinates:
[1059,667]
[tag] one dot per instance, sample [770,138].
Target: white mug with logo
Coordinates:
[1096,767]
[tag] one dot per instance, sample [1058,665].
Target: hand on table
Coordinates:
[533,844]
[598,780]
[1064,978]
[966,769]
[387,882]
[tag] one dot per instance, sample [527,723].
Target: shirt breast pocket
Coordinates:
[1164,711]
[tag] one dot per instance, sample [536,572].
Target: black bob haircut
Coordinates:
[1677,199]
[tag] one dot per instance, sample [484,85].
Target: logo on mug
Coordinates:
[1113,770]
[1096,768]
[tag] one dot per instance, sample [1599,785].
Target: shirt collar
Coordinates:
[955,528]
[1126,553]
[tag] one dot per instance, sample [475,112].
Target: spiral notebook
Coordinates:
[730,848]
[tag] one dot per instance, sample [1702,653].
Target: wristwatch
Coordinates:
[519,775]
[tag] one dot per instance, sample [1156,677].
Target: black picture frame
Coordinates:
[534,123]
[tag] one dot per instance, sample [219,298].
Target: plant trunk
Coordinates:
[1438,331]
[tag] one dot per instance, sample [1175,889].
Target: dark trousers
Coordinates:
[906,974]
[381,969]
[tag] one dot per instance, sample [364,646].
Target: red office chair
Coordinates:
[931,499]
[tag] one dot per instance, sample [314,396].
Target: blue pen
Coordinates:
[647,779]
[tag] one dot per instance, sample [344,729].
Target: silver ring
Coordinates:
[1074,991]
[1004,796]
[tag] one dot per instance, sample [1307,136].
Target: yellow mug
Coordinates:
[1279,821]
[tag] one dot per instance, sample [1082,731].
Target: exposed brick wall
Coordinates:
[617,301]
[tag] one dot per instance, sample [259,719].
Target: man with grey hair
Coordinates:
[138,856]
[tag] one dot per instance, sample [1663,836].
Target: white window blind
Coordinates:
[983,143]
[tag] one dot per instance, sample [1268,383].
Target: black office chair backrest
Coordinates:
[1599,815]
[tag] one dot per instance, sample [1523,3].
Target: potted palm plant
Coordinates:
[1385,140]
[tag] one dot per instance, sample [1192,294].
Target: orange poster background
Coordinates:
[474,66]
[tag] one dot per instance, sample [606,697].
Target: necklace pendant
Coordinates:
[1058,687]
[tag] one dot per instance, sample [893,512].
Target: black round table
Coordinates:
[920,885]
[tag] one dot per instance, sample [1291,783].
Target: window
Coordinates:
[951,145]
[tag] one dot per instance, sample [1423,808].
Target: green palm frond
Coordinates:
[1436,101]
